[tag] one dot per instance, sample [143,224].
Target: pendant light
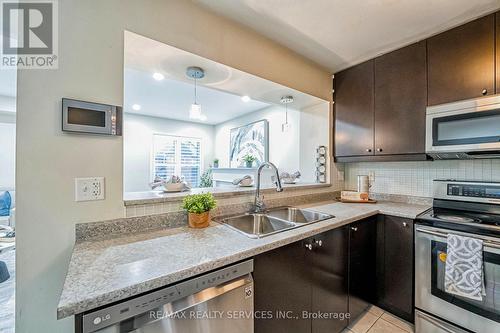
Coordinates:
[195,110]
[285,127]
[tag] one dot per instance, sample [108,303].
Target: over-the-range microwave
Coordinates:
[88,117]
[464,130]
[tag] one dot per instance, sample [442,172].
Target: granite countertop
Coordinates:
[105,271]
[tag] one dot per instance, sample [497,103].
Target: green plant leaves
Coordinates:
[199,203]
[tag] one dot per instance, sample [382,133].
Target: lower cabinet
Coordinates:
[303,280]
[337,272]
[329,263]
[362,265]
[282,285]
[395,276]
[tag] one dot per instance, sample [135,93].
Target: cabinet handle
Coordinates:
[309,247]
[484,92]
[319,243]
[354,228]
[405,224]
[379,149]
[368,150]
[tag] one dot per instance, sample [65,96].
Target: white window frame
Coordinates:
[177,153]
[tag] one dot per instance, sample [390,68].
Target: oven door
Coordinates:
[478,316]
[463,128]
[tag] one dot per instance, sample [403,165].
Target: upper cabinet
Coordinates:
[354,97]
[380,105]
[400,102]
[380,113]
[461,62]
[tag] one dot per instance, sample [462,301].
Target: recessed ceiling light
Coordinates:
[158,76]
[245,98]
[136,107]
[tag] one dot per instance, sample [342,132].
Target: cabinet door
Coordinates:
[354,111]
[362,265]
[395,266]
[282,283]
[400,101]
[461,62]
[329,279]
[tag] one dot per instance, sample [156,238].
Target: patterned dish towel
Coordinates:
[464,267]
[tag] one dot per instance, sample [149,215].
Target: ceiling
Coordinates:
[172,99]
[338,33]
[219,92]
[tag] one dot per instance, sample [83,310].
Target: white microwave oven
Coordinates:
[88,117]
[464,130]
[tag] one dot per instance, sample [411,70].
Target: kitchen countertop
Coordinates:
[105,271]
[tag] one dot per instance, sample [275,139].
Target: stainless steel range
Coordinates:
[463,208]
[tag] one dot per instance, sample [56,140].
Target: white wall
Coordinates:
[138,142]
[290,151]
[283,146]
[314,132]
[7,155]
[91,68]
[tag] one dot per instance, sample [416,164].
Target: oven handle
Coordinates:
[486,242]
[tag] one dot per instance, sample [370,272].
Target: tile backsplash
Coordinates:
[415,178]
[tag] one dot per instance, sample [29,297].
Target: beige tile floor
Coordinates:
[376,320]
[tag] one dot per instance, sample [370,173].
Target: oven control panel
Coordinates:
[474,190]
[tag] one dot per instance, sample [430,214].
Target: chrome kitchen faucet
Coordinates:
[259,206]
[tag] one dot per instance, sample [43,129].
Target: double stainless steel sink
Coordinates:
[257,225]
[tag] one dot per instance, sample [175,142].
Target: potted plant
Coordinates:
[216,163]
[249,159]
[198,207]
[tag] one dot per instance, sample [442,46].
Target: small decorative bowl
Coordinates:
[172,187]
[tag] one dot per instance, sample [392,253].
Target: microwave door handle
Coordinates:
[488,243]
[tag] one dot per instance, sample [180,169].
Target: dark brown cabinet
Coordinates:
[282,283]
[386,120]
[461,62]
[395,266]
[304,277]
[354,98]
[340,271]
[362,265]
[400,101]
[330,284]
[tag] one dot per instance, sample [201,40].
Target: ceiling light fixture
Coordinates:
[285,127]
[196,73]
[136,107]
[158,76]
[245,98]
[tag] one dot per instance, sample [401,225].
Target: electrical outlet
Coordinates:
[88,189]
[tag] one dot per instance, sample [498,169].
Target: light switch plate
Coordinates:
[88,189]
[340,175]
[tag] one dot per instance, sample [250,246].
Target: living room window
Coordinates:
[177,155]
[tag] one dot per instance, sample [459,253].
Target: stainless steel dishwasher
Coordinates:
[220,301]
